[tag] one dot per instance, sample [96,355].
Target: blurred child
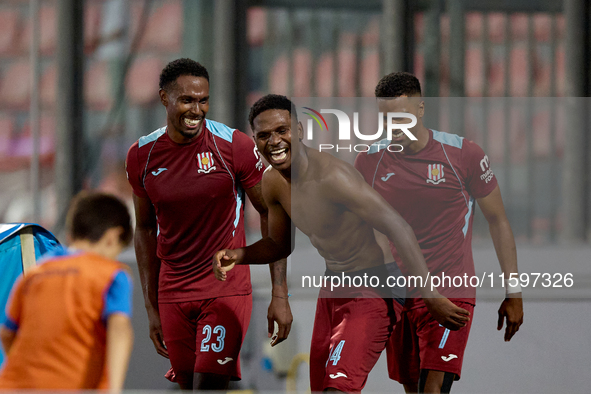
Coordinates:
[68,321]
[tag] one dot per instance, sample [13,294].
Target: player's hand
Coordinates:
[512,310]
[156,332]
[224,261]
[446,313]
[279,311]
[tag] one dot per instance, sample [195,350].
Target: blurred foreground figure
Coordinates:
[68,321]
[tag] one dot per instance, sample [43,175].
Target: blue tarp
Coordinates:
[11,266]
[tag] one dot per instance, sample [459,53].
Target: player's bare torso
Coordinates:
[345,241]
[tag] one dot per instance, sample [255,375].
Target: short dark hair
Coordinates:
[271,101]
[180,67]
[91,214]
[398,84]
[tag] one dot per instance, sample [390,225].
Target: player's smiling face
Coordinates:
[187,103]
[412,105]
[272,134]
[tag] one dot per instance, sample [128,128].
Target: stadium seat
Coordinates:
[324,75]
[167,40]
[98,87]
[474,23]
[542,27]
[496,27]
[347,65]
[256,26]
[302,72]
[48,31]
[419,65]
[9,26]
[519,70]
[474,69]
[142,81]
[23,145]
[278,75]
[560,71]
[419,26]
[369,73]
[519,26]
[92,26]
[6,133]
[15,89]
[48,92]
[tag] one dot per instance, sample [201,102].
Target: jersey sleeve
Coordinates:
[14,306]
[118,296]
[134,172]
[480,179]
[247,161]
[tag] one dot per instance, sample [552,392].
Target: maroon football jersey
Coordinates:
[197,190]
[434,191]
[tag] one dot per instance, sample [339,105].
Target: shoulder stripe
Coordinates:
[219,129]
[153,136]
[378,146]
[448,139]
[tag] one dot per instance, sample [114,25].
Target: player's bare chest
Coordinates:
[312,210]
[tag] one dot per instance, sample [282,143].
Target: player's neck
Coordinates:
[299,164]
[422,134]
[181,138]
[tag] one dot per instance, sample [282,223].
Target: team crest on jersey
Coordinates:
[205,161]
[435,174]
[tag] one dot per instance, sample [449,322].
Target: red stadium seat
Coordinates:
[278,75]
[324,75]
[302,72]
[474,23]
[142,81]
[519,70]
[23,146]
[474,69]
[167,39]
[347,65]
[15,89]
[444,20]
[48,31]
[98,87]
[560,71]
[419,25]
[256,26]
[6,133]
[369,73]
[542,27]
[419,66]
[9,27]
[496,27]
[519,27]
[48,92]
[92,26]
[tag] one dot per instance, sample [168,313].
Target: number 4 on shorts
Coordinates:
[335,354]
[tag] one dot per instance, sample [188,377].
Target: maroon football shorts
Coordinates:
[205,336]
[419,342]
[348,338]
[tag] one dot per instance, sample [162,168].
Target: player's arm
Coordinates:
[279,310]
[278,243]
[116,313]
[119,344]
[14,306]
[349,189]
[148,266]
[500,230]
[7,337]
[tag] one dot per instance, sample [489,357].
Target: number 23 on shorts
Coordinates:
[218,345]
